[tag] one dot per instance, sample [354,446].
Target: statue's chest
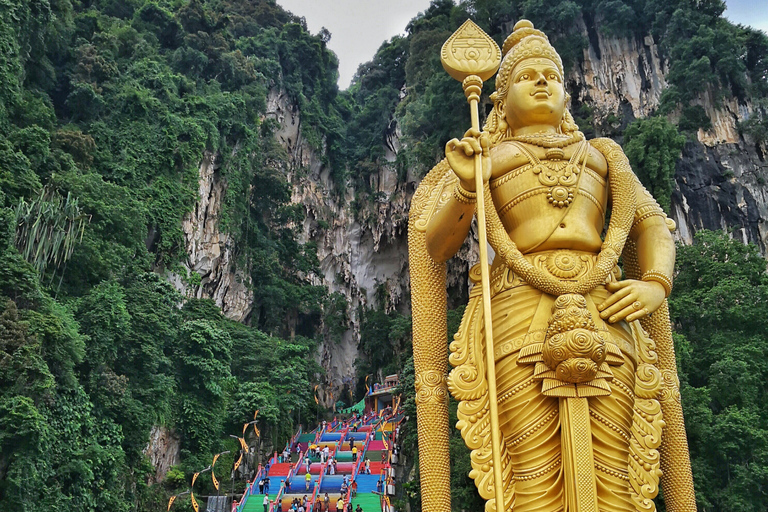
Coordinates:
[549,186]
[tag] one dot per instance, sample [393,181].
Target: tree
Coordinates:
[653,146]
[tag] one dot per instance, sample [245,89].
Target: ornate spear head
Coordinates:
[470,51]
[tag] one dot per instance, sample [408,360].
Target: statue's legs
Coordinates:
[530,421]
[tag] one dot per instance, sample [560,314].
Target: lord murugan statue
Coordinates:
[563,365]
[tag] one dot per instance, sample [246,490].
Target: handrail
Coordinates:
[313,498]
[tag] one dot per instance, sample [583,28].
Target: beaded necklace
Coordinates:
[549,139]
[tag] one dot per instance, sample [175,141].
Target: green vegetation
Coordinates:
[719,308]
[107,110]
[653,146]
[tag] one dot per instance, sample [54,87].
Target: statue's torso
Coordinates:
[523,195]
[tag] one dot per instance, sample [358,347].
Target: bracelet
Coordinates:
[464,196]
[661,278]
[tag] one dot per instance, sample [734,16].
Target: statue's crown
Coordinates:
[525,42]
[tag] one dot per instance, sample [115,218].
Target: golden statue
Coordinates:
[568,389]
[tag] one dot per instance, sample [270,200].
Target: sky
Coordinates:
[358,27]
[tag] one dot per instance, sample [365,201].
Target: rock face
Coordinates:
[162,451]
[210,268]
[618,77]
[362,245]
[720,177]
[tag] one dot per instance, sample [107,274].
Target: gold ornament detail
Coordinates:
[469,51]
[564,264]
[574,359]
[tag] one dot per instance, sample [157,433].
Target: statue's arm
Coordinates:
[654,241]
[449,225]
[632,299]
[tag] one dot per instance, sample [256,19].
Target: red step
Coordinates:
[279,469]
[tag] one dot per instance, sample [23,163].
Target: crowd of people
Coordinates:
[348,490]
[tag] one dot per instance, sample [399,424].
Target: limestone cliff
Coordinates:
[720,177]
[210,268]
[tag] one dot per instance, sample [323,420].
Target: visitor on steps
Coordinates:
[354,488]
[367,466]
[266,485]
[359,508]
[266,503]
[327,501]
[307,463]
[307,480]
[354,454]
[261,486]
[379,486]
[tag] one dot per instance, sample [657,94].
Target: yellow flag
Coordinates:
[243,443]
[245,427]
[170,502]
[213,472]
[384,439]
[237,463]
[367,387]
[194,477]
[256,429]
[316,400]
[194,503]
[254,414]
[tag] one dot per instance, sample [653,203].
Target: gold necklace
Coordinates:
[549,139]
[559,175]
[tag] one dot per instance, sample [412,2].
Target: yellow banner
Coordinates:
[243,443]
[237,463]
[194,503]
[213,472]
[170,502]
[256,429]
[254,414]
[194,477]
[367,387]
[316,400]
[245,427]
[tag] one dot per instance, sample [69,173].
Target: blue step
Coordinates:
[366,483]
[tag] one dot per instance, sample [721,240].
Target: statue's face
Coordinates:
[536,95]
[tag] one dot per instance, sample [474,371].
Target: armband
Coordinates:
[661,278]
[464,196]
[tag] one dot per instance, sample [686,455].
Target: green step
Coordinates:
[255,503]
[368,501]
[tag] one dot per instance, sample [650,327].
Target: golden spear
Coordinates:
[471,57]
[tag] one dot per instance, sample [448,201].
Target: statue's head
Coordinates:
[529,85]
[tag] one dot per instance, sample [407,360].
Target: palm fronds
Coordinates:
[48,228]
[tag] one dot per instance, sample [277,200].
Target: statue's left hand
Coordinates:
[631,300]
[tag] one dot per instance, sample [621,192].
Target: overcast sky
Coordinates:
[358,27]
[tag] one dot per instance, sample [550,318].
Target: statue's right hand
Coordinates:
[461,157]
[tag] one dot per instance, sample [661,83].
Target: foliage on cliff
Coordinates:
[113,104]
